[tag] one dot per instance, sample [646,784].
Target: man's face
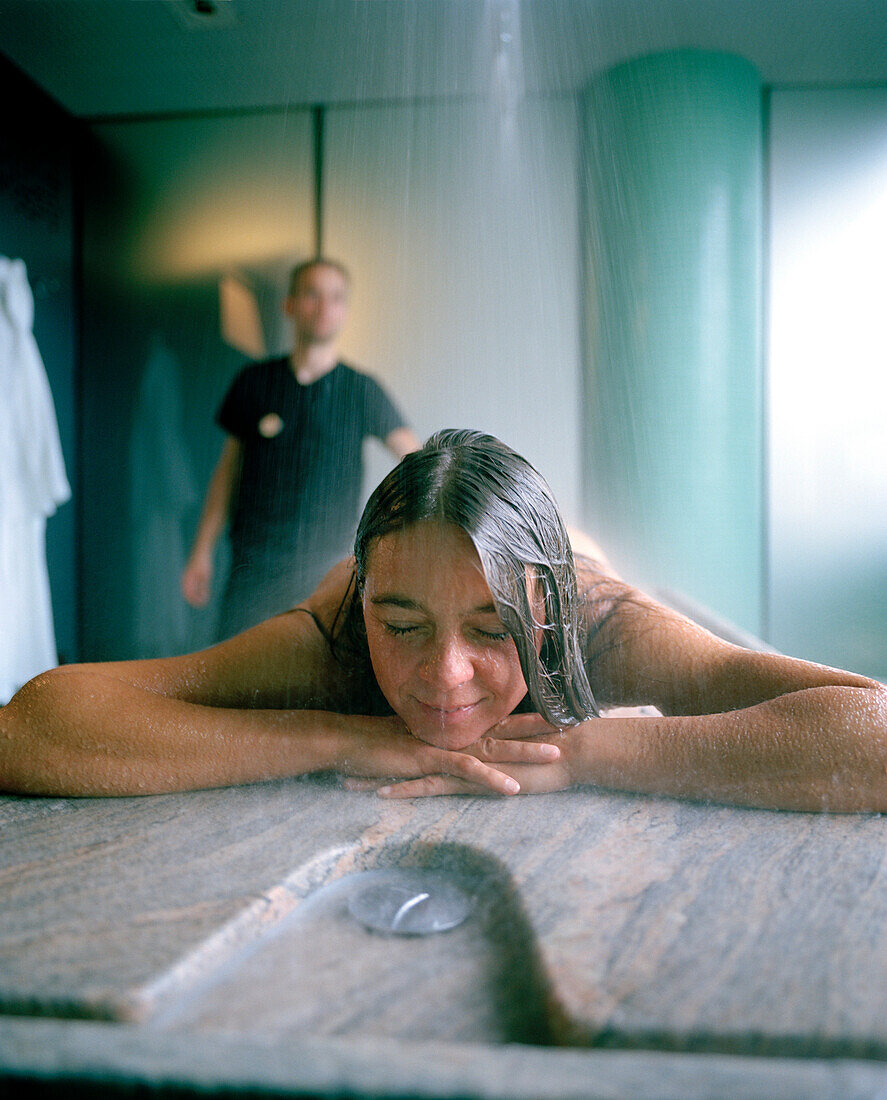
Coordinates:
[319,304]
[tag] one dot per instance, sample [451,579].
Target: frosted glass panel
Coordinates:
[459,221]
[828,376]
[674,440]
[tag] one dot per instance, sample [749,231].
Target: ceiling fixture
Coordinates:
[197,14]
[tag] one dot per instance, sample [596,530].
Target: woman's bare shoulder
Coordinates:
[330,600]
[600,588]
[285,661]
[630,640]
[586,547]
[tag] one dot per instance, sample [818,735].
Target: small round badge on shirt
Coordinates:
[270,425]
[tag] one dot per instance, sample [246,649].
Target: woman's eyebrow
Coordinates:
[392,599]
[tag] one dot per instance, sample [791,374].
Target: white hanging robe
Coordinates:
[32,484]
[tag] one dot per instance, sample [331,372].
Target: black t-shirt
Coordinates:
[302,463]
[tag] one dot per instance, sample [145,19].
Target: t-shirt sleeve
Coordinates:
[381,415]
[231,415]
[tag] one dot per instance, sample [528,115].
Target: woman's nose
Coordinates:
[448,664]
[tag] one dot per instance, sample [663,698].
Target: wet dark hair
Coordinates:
[318,261]
[506,508]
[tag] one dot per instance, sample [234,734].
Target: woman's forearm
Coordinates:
[81,732]
[822,748]
[86,730]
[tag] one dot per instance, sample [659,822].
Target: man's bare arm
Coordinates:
[402,441]
[198,573]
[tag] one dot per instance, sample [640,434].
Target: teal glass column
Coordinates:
[673,478]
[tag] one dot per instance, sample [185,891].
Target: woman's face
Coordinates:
[440,653]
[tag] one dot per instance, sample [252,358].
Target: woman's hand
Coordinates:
[538,763]
[385,749]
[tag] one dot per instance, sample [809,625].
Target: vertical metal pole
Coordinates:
[317,118]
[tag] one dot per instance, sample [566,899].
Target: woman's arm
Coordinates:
[737,726]
[85,732]
[819,748]
[259,706]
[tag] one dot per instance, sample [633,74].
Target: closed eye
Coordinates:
[400,628]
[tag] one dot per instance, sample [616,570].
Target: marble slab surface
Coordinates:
[614,921]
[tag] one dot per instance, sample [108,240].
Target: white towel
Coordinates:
[32,485]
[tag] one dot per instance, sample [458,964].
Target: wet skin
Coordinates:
[440,652]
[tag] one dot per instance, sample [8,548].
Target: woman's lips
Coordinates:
[449,712]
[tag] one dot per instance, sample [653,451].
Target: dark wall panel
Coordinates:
[171,208]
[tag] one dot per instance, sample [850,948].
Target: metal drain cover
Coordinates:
[409,903]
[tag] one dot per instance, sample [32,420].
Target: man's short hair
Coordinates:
[318,261]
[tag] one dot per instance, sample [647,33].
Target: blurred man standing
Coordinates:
[287,484]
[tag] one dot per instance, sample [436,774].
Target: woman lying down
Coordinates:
[463,650]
